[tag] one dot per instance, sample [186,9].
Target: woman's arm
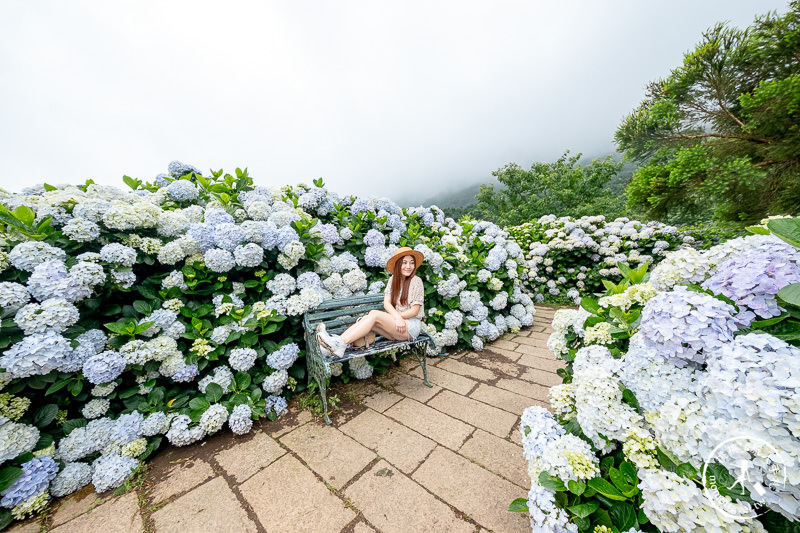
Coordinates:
[411,312]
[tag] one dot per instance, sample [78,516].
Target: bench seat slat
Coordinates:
[353,300]
[357,310]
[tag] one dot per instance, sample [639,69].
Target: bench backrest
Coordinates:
[339,314]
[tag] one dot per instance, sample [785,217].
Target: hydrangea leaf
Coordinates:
[520,505]
[787,229]
[8,475]
[584,509]
[790,294]
[623,515]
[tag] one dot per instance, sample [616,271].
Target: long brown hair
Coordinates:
[397,280]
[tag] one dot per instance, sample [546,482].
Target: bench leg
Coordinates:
[323,394]
[419,353]
[319,371]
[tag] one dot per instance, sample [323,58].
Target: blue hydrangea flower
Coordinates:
[51,280]
[217,216]
[202,234]
[182,191]
[374,238]
[284,236]
[127,428]
[119,254]
[359,206]
[228,236]
[178,169]
[103,367]
[329,233]
[36,476]
[277,404]
[309,280]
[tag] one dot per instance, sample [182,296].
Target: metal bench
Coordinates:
[337,315]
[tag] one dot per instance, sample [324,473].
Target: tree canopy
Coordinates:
[721,134]
[564,187]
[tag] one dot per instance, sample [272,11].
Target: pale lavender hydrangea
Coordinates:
[178,169]
[219,260]
[242,359]
[36,354]
[275,382]
[182,191]
[180,434]
[752,280]
[240,420]
[213,418]
[28,255]
[249,256]
[119,254]
[284,237]
[13,295]
[155,424]
[329,233]
[185,373]
[111,471]
[36,476]
[54,314]
[681,325]
[284,357]
[308,280]
[374,238]
[104,367]
[51,280]
[282,284]
[277,404]
[72,478]
[228,236]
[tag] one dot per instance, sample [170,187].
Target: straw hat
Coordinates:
[402,252]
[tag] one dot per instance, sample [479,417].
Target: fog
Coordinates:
[403,99]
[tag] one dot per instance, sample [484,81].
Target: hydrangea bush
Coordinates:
[569,258]
[665,371]
[173,309]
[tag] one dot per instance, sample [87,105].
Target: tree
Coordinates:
[561,188]
[720,136]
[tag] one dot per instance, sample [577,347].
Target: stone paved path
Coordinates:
[399,457]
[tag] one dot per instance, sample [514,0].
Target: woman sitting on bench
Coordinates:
[403,304]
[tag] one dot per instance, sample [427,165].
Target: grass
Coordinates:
[310,400]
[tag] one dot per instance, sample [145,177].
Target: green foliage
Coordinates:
[720,135]
[564,187]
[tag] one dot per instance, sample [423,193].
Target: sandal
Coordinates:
[365,341]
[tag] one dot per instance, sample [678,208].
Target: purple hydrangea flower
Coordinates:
[752,281]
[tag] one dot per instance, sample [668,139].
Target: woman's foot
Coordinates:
[333,343]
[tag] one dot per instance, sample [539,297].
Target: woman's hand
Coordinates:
[400,325]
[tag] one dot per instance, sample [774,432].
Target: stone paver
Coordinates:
[472,490]
[329,452]
[185,475]
[399,445]
[361,527]
[506,400]
[411,387]
[75,505]
[535,339]
[504,344]
[474,412]
[498,455]
[115,515]
[476,372]
[541,363]
[298,419]
[540,350]
[525,388]
[500,365]
[286,493]
[28,527]
[382,400]
[210,507]
[548,379]
[437,426]
[446,379]
[410,507]
[507,354]
[247,458]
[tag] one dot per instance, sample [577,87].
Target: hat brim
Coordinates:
[418,259]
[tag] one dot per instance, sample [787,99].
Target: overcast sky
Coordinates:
[399,99]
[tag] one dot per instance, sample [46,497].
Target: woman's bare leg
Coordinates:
[380,322]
